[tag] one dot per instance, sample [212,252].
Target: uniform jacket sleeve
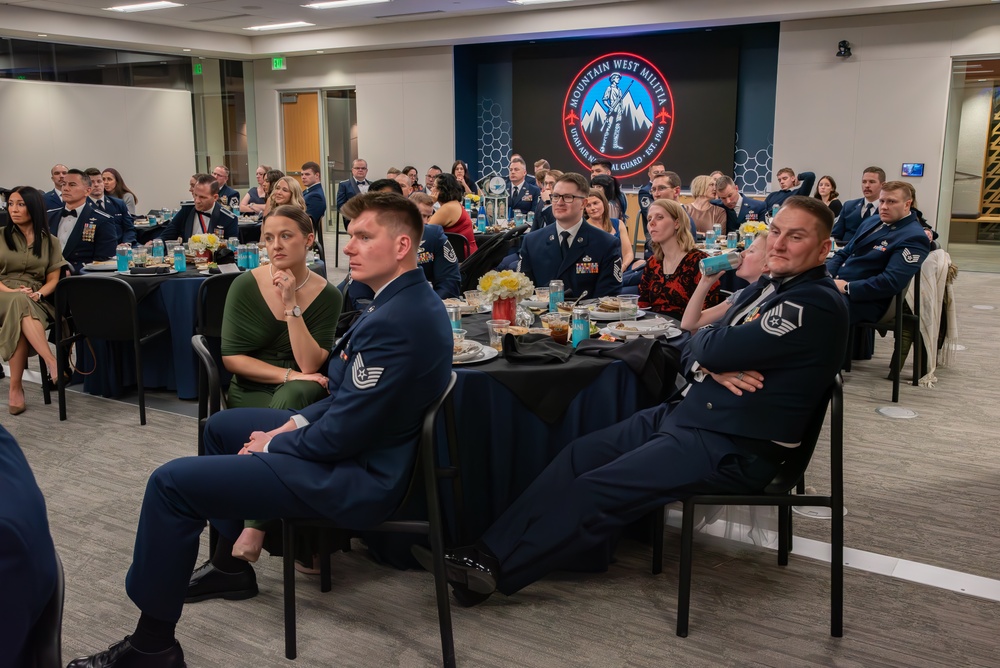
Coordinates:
[609,282]
[904,262]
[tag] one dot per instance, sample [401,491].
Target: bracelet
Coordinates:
[288,373]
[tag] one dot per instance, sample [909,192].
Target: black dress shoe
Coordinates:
[207,582]
[123,655]
[465,567]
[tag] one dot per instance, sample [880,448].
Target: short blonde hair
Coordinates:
[680,216]
[296,200]
[700,185]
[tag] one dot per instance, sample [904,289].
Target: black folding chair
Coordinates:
[424,481]
[210,307]
[778,493]
[460,244]
[896,319]
[103,307]
[489,256]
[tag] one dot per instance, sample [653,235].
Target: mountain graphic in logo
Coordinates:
[630,112]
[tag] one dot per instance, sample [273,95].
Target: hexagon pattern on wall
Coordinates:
[752,167]
[494,138]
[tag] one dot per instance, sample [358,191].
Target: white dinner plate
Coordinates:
[470,350]
[110,265]
[129,273]
[610,316]
[651,327]
[484,355]
[534,303]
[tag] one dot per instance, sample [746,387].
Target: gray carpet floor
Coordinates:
[925,489]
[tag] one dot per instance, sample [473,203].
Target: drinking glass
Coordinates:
[628,307]
[475,298]
[139,256]
[158,251]
[497,329]
[558,326]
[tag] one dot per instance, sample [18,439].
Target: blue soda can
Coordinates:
[180,262]
[580,326]
[723,262]
[557,293]
[122,253]
[253,255]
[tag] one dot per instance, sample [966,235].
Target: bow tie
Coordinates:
[71,212]
[766,280]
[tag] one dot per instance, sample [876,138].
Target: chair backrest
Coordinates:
[212,303]
[460,244]
[488,256]
[45,641]
[215,397]
[797,463]
[103,307]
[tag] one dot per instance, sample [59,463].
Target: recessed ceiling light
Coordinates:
[980,80]
[282,26]
[143,7]
[535,2]
[186,50]
[42,35]
[321,52]
[343,3]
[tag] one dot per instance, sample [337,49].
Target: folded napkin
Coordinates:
[655,362]
[149,271]
[225,256]
[534,349]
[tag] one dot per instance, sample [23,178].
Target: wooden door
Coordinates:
[300,123]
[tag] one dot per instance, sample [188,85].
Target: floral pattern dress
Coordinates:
[669,294]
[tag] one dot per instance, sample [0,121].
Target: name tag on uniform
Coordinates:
[586,268]
[89,229]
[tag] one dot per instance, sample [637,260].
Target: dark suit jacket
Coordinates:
[52,199]
[183,225]
[850,220]
[796,338]
[78,251]
[352,462]
[345,191]
[315,203]
[27,556]
[229,196]
[736,218]
[878,263]
[528,198]
[593,263]
[124,222]
[806,180]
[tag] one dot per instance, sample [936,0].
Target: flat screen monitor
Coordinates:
[913,169]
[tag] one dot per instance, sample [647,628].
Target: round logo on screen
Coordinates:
[618,107]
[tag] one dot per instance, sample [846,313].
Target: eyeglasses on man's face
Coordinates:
[566,199]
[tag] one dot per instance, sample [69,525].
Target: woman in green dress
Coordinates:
[30,264]
[278,329]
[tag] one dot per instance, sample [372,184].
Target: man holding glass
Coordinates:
[757,377]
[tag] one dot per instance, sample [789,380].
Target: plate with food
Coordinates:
[467,309]
[466,350]
[484,355]
[631,329]
[104,265]
[170,272]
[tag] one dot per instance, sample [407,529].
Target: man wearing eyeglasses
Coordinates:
[229,196]
[581,255]
[356,185]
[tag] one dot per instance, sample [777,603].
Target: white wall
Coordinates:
[886,105]
[144,133]
[405,102]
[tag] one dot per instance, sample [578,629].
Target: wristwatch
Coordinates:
[296,312]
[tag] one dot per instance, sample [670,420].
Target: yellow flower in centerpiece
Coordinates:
[510,283]
[486,282]
[506,284]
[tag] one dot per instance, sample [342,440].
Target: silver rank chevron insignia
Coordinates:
[618,270]
[909,257]
[364,377]
[449,252]
[782,319]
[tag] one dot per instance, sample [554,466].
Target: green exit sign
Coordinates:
[278,63]
[197,68]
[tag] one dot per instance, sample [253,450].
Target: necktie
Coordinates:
[868,211]
[100,204]
[564,244]
[71,212]
[513,194]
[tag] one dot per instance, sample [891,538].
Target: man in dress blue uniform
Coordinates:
[581,255]
[27,557]
[114,207]
[521,195]
[645,195]
[339,458]
[315,199]
[856,211]
[603,166]
[757,378]
[229,196]
[738,209]
[787,181]
[356,185]
[204,215]
[883,256]
[53,198]
[86,233]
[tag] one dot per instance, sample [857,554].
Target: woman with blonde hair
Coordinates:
[702,211]
[284,190]
[597,211]
[671,274]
